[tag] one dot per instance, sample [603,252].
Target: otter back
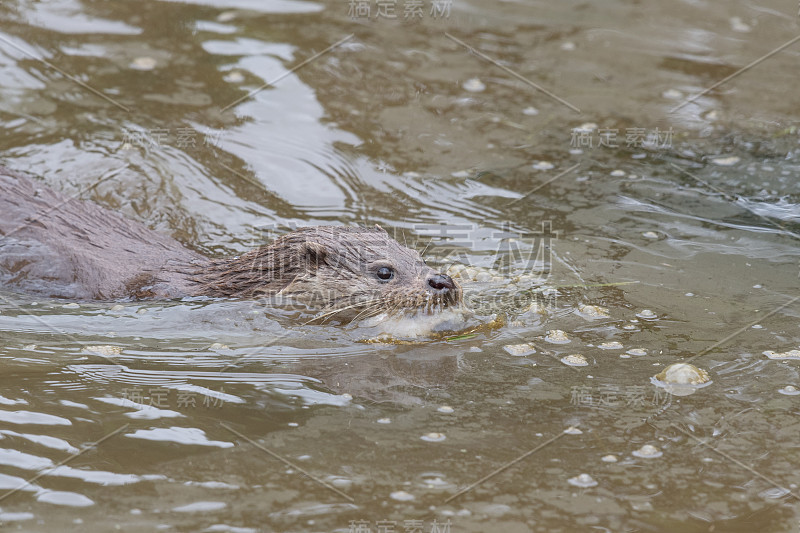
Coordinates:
[64,247]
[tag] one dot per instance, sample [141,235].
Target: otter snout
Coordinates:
[441,283]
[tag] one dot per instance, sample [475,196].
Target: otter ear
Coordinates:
[314,254]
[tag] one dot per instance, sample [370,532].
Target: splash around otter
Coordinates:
[63,247]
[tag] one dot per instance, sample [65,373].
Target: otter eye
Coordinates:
[385,273]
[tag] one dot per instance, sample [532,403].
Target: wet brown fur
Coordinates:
[58,246]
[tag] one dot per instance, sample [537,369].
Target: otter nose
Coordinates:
[441,282]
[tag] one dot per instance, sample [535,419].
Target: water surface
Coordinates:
[593,181]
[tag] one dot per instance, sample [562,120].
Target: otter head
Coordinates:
[354,273]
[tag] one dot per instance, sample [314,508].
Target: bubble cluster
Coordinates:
[556,336]
[791,354]
[520,350]
[575,360]
[648,451]
[583,481]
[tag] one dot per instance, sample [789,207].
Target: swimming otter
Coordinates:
[63,247]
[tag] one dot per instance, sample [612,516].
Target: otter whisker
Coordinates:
[426,247]
[366,303]
[373,310]
[333,312]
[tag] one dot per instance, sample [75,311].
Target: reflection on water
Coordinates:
[658,225]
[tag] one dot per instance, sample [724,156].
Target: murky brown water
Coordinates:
[683,224]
